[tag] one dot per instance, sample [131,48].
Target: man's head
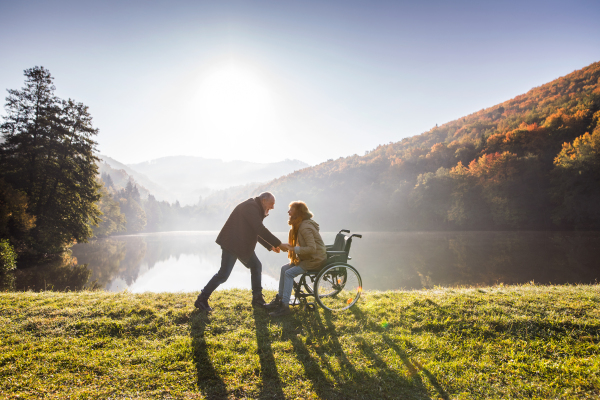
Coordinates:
[268,201]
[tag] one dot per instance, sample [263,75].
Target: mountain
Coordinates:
[189,178]
[121,173]
[532,162]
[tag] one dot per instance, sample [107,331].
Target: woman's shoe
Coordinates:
[281,311]
[274,304]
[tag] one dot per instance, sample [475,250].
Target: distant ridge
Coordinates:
[187,178]
[190,178]
[120,173]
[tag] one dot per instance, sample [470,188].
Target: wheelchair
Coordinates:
[337,285]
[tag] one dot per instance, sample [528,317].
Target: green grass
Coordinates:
[501,342]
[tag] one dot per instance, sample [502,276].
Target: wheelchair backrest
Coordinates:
[342,242]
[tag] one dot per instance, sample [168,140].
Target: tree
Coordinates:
[134,214]
[130,203]
[8,257]
[15,222]
[153,214]
[108,182]
[112,220]
[577,182]
[48,153]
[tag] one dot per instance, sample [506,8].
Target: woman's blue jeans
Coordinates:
[286,281]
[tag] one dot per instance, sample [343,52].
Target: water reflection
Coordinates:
[170,261]
[59,274]
[185,261]
[423,260]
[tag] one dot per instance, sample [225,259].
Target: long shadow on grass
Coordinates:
[209,382]
[410,365]
[342,379]
[388,380]
[413,370]
[320,383]
[271,382]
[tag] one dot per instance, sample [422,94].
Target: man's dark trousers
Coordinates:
[227,262]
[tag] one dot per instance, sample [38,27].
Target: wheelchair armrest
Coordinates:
[336,253]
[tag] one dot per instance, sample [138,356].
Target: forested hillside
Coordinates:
[532,162]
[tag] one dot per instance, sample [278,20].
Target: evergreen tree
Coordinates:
[108,182]
[112,220]
[15,222]
[153,214]
[134,215]
[131,205]
[48,153]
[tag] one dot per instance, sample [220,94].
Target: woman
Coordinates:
[307,253]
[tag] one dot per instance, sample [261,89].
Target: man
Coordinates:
[238,238]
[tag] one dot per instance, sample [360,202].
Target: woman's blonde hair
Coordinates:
[299,214]
[301,209]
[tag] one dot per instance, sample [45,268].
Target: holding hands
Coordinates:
[285,247]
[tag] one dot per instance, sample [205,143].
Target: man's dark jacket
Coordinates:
[244,228]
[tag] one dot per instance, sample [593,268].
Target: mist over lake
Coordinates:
[185,261]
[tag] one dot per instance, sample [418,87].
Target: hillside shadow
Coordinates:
[208,380]
[271,382]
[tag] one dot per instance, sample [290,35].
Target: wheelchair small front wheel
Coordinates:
[338,287]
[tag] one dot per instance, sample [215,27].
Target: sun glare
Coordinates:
[233,101]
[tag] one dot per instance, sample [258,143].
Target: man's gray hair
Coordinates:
[266,196]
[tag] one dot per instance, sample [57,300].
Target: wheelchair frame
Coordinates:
[334,271]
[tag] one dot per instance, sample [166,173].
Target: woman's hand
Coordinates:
[285,247]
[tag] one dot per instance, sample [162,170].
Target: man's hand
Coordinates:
[276,249]
[285,247]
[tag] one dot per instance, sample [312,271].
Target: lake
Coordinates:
[185,261]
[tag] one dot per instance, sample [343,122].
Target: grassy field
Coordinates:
[501,342]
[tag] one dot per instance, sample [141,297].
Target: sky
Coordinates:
[265,81]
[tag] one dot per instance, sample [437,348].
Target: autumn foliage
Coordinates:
[532,162]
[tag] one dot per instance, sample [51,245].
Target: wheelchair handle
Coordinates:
[344,230]
[356,235]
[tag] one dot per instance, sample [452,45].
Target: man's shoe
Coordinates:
[276,303]
[281,311]
[202,304]
[258,300]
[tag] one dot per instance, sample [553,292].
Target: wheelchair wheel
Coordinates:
[338,287]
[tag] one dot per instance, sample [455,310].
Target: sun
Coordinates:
[233,101]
